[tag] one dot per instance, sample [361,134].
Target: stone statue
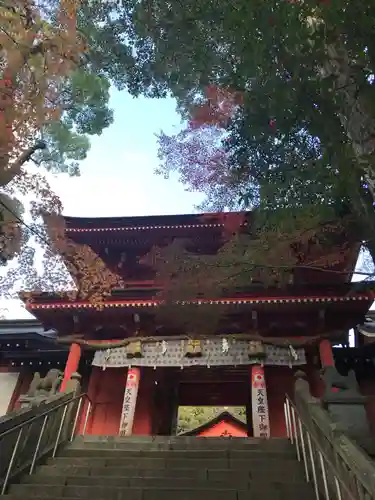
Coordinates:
[42,388]
[346,407]
[46,386]
[339,384]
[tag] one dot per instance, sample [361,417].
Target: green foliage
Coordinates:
[84,99]
[62,98]
[273,54]
[64,149]
[168,47]
[190,417]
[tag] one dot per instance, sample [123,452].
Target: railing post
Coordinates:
[76,419]
[313,466]
[88,410]
[296,433]
[303,450]
[9,470]
[38,444]
[286,419]
[323,468]
[289,420]
[59,431]
[338,489]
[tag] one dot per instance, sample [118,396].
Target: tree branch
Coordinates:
[15,169]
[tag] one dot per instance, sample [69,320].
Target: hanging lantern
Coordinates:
[134,349]
[193,349]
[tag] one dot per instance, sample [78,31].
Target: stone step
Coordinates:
[166,468]
[88,438]
[187,454]
[210,481]
[179,463]
[268,491]
[291,472]
[178,443]
[74,470]
[141,482]
[138,482]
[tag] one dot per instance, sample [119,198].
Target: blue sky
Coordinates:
[117,178]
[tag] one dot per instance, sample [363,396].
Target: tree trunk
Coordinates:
[355,115]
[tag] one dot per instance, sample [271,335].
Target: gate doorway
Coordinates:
[212,421]
[203,393]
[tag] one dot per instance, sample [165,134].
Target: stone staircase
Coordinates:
[175,468]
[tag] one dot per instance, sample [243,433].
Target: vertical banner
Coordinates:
[259,403]
[130,400]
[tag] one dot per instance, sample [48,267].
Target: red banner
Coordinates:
[130,400]
[259,403]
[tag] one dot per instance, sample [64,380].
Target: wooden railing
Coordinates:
[333,463]
[28,435]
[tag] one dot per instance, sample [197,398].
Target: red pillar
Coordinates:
[71,364]
[326,354]
[142,424]
[326,357]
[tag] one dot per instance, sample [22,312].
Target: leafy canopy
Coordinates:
[51,98]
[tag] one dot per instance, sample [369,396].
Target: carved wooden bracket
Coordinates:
[256,349]
[134,349]
[193,348]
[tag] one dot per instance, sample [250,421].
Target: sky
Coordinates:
[118,179]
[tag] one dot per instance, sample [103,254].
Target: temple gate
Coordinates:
[143,369]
